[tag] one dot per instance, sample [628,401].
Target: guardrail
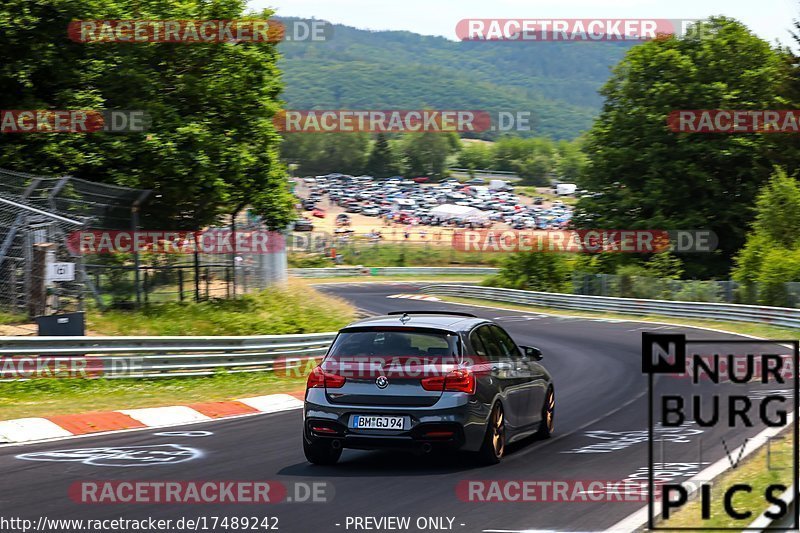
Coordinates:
[388,271]
[151,357]
[776,316]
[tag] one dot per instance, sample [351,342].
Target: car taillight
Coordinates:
[319,378]
[459,380]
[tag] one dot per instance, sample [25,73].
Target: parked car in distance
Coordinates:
[303,224]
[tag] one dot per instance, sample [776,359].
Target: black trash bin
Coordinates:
[63,325]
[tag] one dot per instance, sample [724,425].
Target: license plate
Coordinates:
[396,423]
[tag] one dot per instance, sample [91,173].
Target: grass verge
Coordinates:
[12,318]
[46,397]
[296,308]
[414,254]
[466,278]
[755,472]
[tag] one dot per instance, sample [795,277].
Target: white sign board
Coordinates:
[61,272]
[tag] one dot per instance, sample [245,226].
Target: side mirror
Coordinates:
[535,354]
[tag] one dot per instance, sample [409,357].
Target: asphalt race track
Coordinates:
[600,391]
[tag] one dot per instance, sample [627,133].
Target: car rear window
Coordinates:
[429,346]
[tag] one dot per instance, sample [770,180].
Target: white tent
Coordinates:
[448,211]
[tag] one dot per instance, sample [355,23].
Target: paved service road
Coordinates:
[600,416]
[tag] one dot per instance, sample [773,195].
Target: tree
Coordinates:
[786,149]
[570,161]
[649,177]
[426,153]
[382,162]
[345,152]
[323,153]
[771,256]
[534,170]
[476,155]
[211,147]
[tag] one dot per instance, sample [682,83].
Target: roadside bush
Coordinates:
[546,272]
[779,267]
[699,291]
[309,261]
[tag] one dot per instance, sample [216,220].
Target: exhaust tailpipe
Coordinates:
[336,444]
[427,447]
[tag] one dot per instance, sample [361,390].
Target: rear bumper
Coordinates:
[457,422]
[432,435]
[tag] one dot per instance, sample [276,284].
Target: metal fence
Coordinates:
[389,271]
[38,216]
[159,278]
[154,357]
[722,291]
[29,238]
[776,316]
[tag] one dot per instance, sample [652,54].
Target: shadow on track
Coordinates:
[379,463]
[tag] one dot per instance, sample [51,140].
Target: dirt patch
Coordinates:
[18,330]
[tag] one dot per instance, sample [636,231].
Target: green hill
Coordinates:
[359,69]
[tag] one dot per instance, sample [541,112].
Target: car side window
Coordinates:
[477,344]
[507,346]
[493,350]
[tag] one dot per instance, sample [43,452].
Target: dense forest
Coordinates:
[557,82]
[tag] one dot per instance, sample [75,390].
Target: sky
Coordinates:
[769,19]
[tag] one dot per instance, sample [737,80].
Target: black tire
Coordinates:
[494,442]
[548,415]
[321,452]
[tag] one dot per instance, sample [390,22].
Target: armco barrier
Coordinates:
[174,356]
[389,271]
[201,356]
[776,316]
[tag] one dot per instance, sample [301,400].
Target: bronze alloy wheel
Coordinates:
[548,415]
[498,432]
[549,410]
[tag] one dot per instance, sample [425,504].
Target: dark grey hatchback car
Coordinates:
[424,381]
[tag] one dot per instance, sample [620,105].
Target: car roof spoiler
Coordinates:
[435,312]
